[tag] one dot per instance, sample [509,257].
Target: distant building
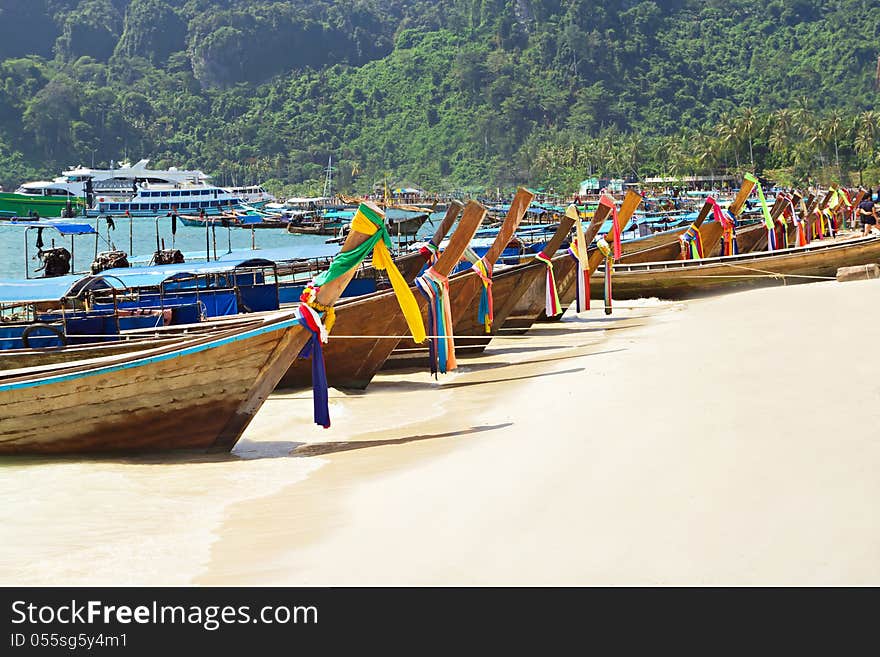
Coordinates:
[694,181]
[595,185]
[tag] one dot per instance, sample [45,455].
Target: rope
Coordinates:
[774,274]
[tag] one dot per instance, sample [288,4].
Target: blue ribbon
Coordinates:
[320,394]
[436,346]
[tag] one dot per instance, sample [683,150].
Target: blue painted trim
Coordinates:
[294,321]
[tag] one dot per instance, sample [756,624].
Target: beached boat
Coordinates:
[220,290]
[368,328]
[198,394]
[532,304]
[710,234]
[519,297]
[659,248]
[694,278]
[468,286]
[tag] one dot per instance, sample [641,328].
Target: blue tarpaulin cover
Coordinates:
[36,289]
[63,227]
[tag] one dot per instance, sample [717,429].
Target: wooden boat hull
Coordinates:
[750,238]
[352,361]
[508,289]
[471,337]
[200,395]
[691,279]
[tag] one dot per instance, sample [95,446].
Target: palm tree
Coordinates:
[781,123]
[729,135]
[833,128]
[867,125]
[707,150]
[749,124]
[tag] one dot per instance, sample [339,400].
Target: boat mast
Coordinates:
[328,179]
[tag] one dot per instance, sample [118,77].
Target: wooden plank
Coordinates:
[455,208]
[518,207]
[473,216]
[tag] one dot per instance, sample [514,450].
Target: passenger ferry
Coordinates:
[253,195]
[152,200]
[79,187]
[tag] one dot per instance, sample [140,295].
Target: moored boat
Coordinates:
[694,278]
[193,394]
[368,328]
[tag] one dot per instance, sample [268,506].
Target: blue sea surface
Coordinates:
[140,233]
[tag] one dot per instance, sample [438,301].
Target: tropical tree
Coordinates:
[834,127]
[748,124]
[729,135]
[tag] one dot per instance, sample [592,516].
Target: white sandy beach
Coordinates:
[726,441]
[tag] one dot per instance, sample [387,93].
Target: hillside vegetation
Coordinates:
[455,94]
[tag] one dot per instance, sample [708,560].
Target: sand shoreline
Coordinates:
[700,448]
[731,440]
[411,442]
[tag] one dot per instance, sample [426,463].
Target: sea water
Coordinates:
[138,236]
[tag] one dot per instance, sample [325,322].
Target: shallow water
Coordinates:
[137,520]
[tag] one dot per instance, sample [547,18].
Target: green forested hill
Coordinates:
[479,93]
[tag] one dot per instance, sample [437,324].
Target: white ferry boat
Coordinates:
[80,187]
[252,195]
[151,200]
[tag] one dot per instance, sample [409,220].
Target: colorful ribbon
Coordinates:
[370,222]
[615,227]
[578,251]
[485,313]
[552,307]
[692,242]
[768,220]
[803,226]
[441,346]
[430,251]
[729,245]
[310,319]
[607,251]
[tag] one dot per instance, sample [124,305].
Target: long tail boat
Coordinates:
[199,394]
[509,287]
[753,237]
[565,268]
[533,300]
[694,278]
[710,234]
[534,303]
[409,266]
[468,287]
[368,328]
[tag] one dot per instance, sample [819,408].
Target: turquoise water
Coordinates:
[190,240]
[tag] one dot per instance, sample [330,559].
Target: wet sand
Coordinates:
[726,441]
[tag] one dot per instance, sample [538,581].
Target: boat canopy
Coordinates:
[286,253]
[128,278]
[63,227]
[36,290]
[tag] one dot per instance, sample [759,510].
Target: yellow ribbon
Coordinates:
[383,261]
[581,246]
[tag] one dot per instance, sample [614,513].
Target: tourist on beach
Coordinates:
[868,212]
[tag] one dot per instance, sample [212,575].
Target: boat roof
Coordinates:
[126,278]
[64,227]
[35,290]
